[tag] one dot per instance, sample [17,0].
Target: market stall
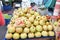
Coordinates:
[29,25]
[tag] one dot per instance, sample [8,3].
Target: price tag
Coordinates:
[17,5]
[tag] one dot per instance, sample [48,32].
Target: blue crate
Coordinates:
[7,21]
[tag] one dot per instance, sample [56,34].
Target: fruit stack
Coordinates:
[57,25]
[57,22]
[27,23]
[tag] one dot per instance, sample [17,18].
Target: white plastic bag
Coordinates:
[1,5]
[17,5]
[38,2]
[25,3]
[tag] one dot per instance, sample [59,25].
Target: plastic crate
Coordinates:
[7,21]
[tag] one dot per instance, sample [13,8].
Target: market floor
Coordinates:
[2,32]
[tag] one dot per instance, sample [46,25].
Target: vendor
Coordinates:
[10,1]
[17,4]
[57,30]
[33,6]
[7,7]
[50,4]
[19,1]
[57,13]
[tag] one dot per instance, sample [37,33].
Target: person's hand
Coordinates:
[59,24]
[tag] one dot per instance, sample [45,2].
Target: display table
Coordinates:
[41,38]
[30,29]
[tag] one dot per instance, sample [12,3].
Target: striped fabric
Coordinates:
[57,8]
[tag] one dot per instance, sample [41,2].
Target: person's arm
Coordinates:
[44,1]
